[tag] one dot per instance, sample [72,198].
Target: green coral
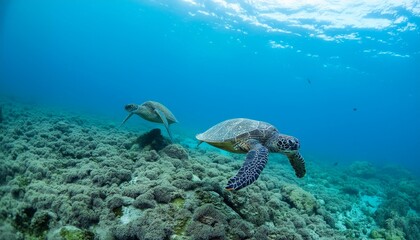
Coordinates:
[76,234]
[209,197]
[118,212]
[375,234]
[299,198]
[182,217]
[181,226]
[394,234]
[22,182]
[178,202]
[31,223]
[40,223]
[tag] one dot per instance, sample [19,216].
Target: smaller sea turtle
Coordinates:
[153,112]
[257,139]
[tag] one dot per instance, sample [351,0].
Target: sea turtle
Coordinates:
[257,139]
[153,112]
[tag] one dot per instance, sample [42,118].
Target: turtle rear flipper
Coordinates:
[165,121]
[298,164]
[256,159]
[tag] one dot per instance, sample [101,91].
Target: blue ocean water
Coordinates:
[347,85]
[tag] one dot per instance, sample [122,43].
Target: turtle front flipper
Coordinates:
[164,121]
[125,120]
[256,159]
[298,163]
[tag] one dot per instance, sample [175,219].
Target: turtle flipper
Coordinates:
[198,144]
[298,164]
[164,121]
[125,120]
[256,159]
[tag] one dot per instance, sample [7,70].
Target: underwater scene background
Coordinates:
[342,77]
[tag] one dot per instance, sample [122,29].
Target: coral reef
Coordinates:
[299,198]
[1,114]
[73,233]
[69,177]
[362,169]
[152,139]
[175,151]
[396,218]
[208,223]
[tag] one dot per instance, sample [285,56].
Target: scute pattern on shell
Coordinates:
[238,129]
[168,114]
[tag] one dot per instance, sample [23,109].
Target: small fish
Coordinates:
[335,164]
[354,109]
[308,80]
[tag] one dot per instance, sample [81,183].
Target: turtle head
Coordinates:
[284,144]
[131,107]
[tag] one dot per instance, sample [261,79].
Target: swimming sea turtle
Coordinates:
[153,112]
[257,139]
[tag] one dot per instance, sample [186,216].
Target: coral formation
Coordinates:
[175,151]
[299,198]
[208,223]
[362,169]
[349,189]
[69,177]
[152,139]
[73,233]
[1,114]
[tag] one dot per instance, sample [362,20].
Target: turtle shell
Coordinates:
[156,105]
[227,134]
